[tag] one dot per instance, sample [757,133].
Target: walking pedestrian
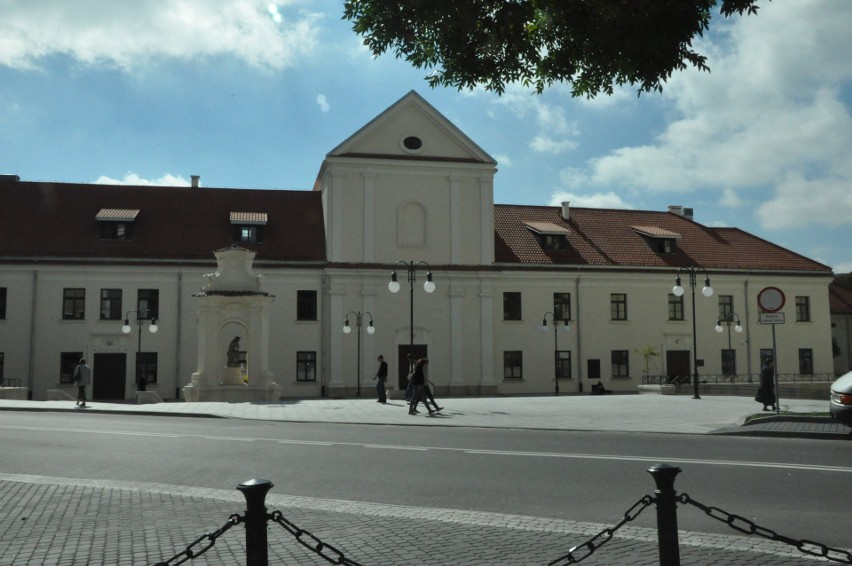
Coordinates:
[766,392]
[408,386]
[381,377]
[81,376]
[427,390]
[418,379]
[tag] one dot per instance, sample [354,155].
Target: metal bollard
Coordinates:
[255,491]
[664,477]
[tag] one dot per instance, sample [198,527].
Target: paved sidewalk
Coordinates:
[60,521]
[626,413]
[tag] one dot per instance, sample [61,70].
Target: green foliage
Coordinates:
[648,353]
[591,44]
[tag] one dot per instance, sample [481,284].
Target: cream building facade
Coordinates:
[409,193]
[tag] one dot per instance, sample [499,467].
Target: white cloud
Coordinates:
[555,132]
[731,199]
[503,160]
[799,202]
[323,103]
[842,267]
[131,178]
[597,200]
[131,34]
[773,113]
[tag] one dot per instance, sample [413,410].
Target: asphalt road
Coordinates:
[795,487]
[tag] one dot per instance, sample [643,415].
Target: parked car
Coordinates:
[840,405]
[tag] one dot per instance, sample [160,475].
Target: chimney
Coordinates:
[566,210]
[681,211]
[195,180]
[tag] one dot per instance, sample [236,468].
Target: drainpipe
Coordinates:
[33,314]
[577,331]
[748,331]
[178,330]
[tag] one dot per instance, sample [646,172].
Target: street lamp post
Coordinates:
[370,330]
[707,291]
[140,322]
[555,344]
[429,287]
[739,328]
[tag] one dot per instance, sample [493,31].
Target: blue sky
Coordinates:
[248,94]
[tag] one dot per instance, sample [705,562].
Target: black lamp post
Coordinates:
[707,291]
[556,322]
[140,321]
[429,287]
[739,328]
[370,330]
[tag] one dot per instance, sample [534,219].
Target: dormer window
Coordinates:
[116,223]
[660,240]
[249,227]
[550,236]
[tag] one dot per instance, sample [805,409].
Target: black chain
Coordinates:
[748,527]
[605,535]
[189,553]
[316,545]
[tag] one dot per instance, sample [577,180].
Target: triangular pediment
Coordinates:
[411,128]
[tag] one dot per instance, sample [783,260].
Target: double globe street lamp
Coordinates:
[732,318]
[141,317]
[348,329]
[556,322]
[428,286]
[707,291]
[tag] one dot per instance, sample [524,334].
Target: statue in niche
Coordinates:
[234,353]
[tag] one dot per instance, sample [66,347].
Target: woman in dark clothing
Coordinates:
[418,380]
[766,393]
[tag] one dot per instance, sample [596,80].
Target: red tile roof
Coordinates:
[57,220]
[607,237]
[839,300]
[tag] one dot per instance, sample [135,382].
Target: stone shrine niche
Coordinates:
[233,334]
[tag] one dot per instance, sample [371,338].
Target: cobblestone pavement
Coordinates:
[56,521]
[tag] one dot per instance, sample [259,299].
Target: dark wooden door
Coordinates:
[418,350]
[108,377]
[677,366]
[593,369]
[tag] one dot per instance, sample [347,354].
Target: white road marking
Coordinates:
[577,456]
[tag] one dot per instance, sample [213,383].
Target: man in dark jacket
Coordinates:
[382,376]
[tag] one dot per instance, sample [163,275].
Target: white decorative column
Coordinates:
[233,334]
[456,338]
[486,333]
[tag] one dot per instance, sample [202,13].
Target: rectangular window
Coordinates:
[67,362]
[513,361]
[726,308]
[73,304]
[148,303]
[729,362]
[2,303]
[306,366]
[806,361]
[249,233]
[111,304]
[306,305]
[620,363]
[511,306]
[2,363]
[562,306]
[563,364]
[675,307]
[553,242]
[803,309]
[618,306]
[116,230]
[146,365]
